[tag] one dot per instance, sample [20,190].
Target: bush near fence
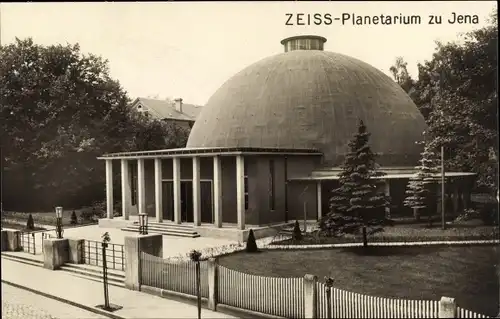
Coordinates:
[282,297]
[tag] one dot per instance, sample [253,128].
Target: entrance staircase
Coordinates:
[88,272]
[166,229]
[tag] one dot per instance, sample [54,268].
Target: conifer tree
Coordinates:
[358,204]
[420,189]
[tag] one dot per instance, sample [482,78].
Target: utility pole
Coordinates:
[443,224]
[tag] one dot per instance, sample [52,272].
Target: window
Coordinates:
[245,183]
[133,182]
[271,185]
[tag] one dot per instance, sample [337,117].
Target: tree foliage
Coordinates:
[421,188]
[60,110]
[358,203]
[457,93]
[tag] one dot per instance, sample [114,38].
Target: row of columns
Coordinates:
[176,166]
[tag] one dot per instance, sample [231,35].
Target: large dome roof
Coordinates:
[311,99]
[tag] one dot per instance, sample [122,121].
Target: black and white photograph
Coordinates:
[246,159]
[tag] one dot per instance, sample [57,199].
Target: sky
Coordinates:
[189,49]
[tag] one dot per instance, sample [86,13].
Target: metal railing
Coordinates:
[28,242]
[93,255]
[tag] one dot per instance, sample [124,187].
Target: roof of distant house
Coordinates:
[165,109]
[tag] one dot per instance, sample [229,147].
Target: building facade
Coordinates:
[267,147]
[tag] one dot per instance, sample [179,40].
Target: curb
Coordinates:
[382,244]
[69,302]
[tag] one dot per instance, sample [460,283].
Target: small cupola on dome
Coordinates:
[303,42]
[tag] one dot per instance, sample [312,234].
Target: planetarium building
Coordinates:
[267,147]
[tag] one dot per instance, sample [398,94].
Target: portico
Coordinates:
[219,188]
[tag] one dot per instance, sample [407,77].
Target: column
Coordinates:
[240,191]
[387,192]
[109,189]
[177,189]
[318,200]
[125,189]
[196,192]
[158,191]
[217,193]
[141,189]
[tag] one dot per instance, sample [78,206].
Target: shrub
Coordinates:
[86,217]
[466,215]
[489,214]
[73,220]
[30,225]
[251,243]
[297,233]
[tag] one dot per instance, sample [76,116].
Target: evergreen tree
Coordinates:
[30,224]
[358,204]
[297,233]
[74,219]
[251,243]
[421,188]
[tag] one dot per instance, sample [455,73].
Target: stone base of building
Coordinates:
[117,222]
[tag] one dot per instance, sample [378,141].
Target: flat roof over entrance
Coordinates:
[209,151]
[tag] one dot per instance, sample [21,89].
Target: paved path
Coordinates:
[89,293]
[21,304]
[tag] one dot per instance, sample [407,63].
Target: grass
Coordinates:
[20,227]
[465,273]
[405,233]
[47,218]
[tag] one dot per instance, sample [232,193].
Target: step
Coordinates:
[166,229]
[164,232]
[95,275]
[169,225]
[96,269]
[23,261]
[19,257]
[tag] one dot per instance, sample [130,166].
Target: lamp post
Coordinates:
[443,190]
[143,224]
[107,305]
[329,285]
[59,229]
[195,257]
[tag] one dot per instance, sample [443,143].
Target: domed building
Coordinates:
[267,147]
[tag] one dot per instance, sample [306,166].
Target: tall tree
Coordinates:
[400,74]
[60,110]
[457,93]
[358,204]
[421,188]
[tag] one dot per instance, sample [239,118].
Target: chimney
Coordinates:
[303,42]
[178,105]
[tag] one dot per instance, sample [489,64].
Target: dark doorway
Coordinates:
[187,201]
[206,202]
[168,200]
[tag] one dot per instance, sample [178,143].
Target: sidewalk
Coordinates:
[90,294]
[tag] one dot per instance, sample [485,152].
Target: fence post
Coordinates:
[213,282]
[310,296]
[447,308]
[134,245]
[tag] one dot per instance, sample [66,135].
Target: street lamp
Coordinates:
[143,224]
[59,230]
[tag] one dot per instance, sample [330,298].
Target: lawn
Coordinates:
[466,273]
[409,232]
[20,227]
[45,218]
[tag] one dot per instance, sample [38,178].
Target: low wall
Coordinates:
[234,234]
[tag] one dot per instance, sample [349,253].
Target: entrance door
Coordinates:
[206,202]
[168,200]
[187,201]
